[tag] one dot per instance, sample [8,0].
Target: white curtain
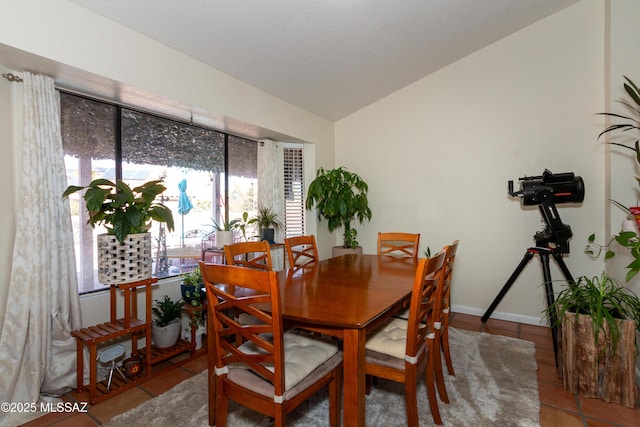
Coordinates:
[270,179]
[38,352]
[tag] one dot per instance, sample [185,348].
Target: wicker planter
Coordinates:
[610,378]
[124,262]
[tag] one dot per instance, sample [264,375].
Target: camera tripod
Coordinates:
[543,249]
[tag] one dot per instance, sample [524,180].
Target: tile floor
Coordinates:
[557,406]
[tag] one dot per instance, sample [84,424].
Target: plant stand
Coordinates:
[610,378]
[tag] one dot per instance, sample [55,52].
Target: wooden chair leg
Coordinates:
[445,344]
[437,369]
[431,390]
[411,397]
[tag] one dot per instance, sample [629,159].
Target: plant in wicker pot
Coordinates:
[124,252]
[166,327]
[340,197]
[598,319]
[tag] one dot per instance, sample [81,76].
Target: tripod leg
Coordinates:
[553,314]
[563,267]
[525,260]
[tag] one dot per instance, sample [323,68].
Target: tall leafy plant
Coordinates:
[121,209]
[340,197]
[627,125]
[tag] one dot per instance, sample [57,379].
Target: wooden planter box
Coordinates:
[586,370]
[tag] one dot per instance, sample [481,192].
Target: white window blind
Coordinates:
[293,192]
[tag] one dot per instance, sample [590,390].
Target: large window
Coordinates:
[217,171]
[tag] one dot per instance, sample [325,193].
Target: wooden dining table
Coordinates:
[347,297]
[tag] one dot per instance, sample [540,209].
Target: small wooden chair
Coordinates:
[259,372]
[403,349]
[301,250]
[402,245]
[446,304]
[249,254]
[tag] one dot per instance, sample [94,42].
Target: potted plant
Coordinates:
[268,221]
[224,231]
[627,238]
[192,287]
[194,294]
[124,252]
[340,196]
[598,319]
[166,327]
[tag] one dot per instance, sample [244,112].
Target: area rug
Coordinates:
[495,384]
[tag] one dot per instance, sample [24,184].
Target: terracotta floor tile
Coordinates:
[196,365]
[545,357]
[556,396]
[596,408]
[77,420]
[549,374]
[534,330]
[502,324]
[555,417]
[118,404]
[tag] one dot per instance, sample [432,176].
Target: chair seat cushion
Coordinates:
[302,355]
[390,339]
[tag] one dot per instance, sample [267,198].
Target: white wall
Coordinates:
[437,155]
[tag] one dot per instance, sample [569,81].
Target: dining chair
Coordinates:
[301,250]
[401,350]
[272,371]
[446,304]
[401,245]
[249,254]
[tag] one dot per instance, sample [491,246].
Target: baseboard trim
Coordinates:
[511,317]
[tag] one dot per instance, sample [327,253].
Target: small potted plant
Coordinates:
[224,231]
[598,319]
[340,197]
[166,327]
[126,213]
[268,221]
[192,287]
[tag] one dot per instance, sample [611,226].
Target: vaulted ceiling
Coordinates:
[330,57]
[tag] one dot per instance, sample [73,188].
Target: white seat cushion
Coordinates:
[390,339]
[302,355]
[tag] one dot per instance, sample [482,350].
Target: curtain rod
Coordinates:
[12,77]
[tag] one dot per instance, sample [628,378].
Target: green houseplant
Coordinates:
[268,221]
[121,209]
[166,327]
[340,197]
[628,124]
[124,252]
[224,230]
[598,319]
